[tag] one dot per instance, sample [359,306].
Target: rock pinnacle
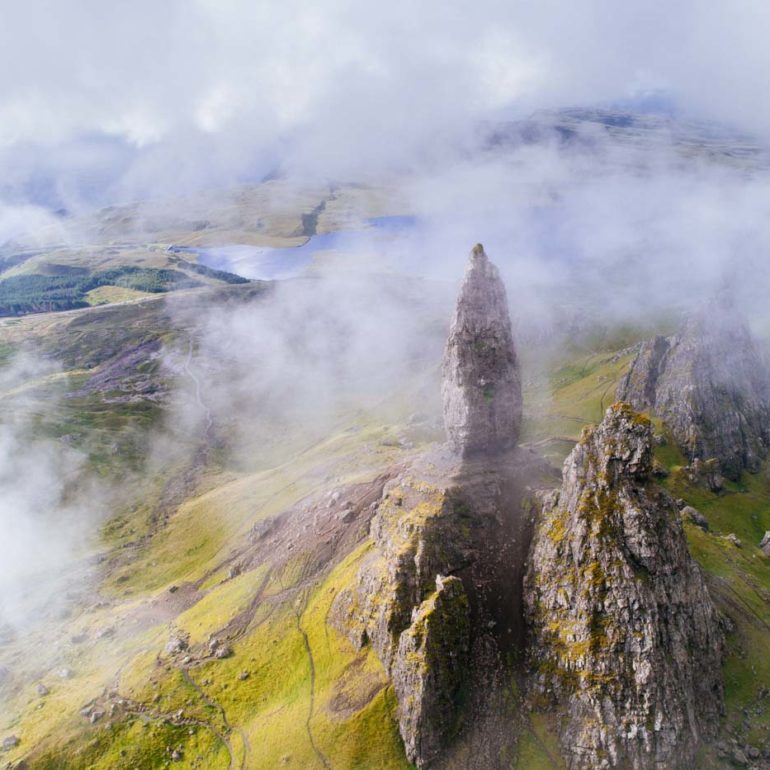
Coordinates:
[481,389]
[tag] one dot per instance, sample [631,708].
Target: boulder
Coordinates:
[175,645]
[11,742]
[694,516]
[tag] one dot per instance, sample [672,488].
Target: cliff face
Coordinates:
[710,385]
[439,599]
[430,666]
[624,636]
[481,389]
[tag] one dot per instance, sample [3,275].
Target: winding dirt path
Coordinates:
[225,721]
[198,389]
[321,756]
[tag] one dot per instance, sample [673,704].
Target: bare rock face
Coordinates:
[710,385]
[429,669]
[624,636]
[481,389]
[438,597]
[439,594]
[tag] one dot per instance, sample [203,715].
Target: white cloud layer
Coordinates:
[48,509]
[215,89]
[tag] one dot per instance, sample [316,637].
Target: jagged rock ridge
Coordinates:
[481,389]
[711,386]
[624,635]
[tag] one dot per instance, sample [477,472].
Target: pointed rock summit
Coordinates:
[625,638]
[711,386]
[481,389]
[439,595]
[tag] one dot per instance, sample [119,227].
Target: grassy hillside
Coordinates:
[198,638]
[166,563]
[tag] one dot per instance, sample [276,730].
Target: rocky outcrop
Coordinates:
[438,596]
[415,538]
[481,389]
[625,639]
[711,386]
[429,669]
[392,606]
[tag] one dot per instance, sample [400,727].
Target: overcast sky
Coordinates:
[101,102]
[128,93]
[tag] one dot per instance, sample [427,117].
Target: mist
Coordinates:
[622,237]
[156,101]
[49,505]
[157,97]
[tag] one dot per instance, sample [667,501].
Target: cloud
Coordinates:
[284,369]
[203,92]
[48,506]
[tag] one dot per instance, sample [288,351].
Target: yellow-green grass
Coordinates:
[220,605]
[743,507]
[49,723]
[558,407]
[197,536]
[138,742]
[90,257]
[273,705]
[739,583]
[538,747]
[195,539]
[204,529]
[107,295]
[263,701]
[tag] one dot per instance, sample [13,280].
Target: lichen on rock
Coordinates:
[624,636]
[415,538]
